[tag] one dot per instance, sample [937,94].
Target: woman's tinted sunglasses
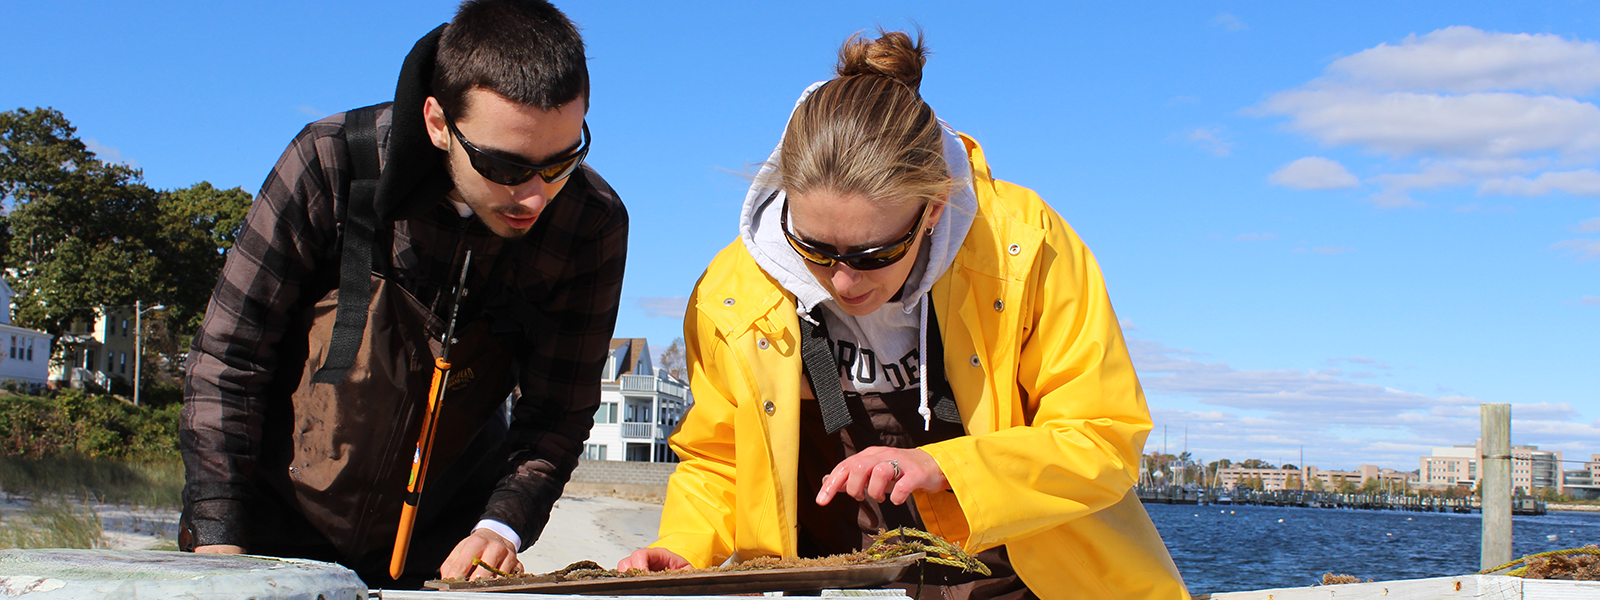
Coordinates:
[825,255]
[505,171]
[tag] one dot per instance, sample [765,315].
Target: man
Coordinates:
[307,382]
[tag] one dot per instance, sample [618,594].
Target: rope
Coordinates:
[1519,572]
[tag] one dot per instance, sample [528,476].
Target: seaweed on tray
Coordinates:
[884,547]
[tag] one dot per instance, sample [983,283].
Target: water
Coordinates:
[1233,548]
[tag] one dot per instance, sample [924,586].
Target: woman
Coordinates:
[874,243]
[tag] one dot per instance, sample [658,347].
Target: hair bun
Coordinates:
[894,55]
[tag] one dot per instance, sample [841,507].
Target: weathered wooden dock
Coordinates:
[1485,587]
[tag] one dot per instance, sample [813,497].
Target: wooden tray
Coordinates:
[706,584]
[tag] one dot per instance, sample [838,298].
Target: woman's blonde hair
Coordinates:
[868,131]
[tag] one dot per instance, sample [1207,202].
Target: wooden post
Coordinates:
[1494,472]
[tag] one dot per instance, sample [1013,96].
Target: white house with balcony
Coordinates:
[25,359]
[639,407]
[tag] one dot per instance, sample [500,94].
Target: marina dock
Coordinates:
[1311,499]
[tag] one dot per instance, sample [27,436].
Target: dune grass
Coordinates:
[54,523]
[157,483]
[62,452]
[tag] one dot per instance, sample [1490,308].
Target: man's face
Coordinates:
[514,131]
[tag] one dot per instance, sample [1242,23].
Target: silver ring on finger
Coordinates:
[895,464]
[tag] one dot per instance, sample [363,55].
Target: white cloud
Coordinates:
[1255,237]
[1305,393]
[1582,182]
[108,154]
[1582,248]
[1464,59]
[671,306]
[1367,361]
[1314,173]
[1210,139]
[1492,167]
[1487,124]
[1589,225]
[1460,106]
[1228,22]
[1544,411]
[1272,413]
[1431,177]
[1395,189]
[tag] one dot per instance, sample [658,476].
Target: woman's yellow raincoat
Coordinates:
[1055,418]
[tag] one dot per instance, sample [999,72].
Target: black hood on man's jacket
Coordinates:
[414,176]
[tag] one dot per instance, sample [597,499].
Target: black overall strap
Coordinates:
[359,236]
[816,352]
[940,395]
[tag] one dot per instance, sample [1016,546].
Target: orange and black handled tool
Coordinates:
[430,423]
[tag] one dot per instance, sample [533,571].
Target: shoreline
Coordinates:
[1573,507]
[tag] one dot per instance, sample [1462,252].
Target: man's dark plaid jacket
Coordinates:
[561,292]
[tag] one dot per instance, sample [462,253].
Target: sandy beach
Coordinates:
[582,527]
[597,528]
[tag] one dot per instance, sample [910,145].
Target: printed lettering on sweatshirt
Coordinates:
[862,370]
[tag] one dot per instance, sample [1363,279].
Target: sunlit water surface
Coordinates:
[1232,548]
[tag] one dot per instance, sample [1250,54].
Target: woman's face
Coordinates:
[851,223]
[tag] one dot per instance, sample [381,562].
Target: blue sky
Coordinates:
[1337,227]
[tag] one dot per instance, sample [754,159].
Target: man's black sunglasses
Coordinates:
[871,259]
[505,171]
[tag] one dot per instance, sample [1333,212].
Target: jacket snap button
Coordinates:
[975,361]
[769,406]
[761,343]
[727,302]
[1014,249]
[999,306]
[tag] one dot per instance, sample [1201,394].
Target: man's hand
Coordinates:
[484,544]
[653,559]
[880,472]
[218,549]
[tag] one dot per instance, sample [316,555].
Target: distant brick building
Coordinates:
[1458,466]
[1282,479]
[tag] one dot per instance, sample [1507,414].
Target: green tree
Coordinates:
[1256,463]
[78,225]
[674,362]
[199,224]
[83,233]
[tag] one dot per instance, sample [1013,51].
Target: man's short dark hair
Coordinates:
[524,50]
